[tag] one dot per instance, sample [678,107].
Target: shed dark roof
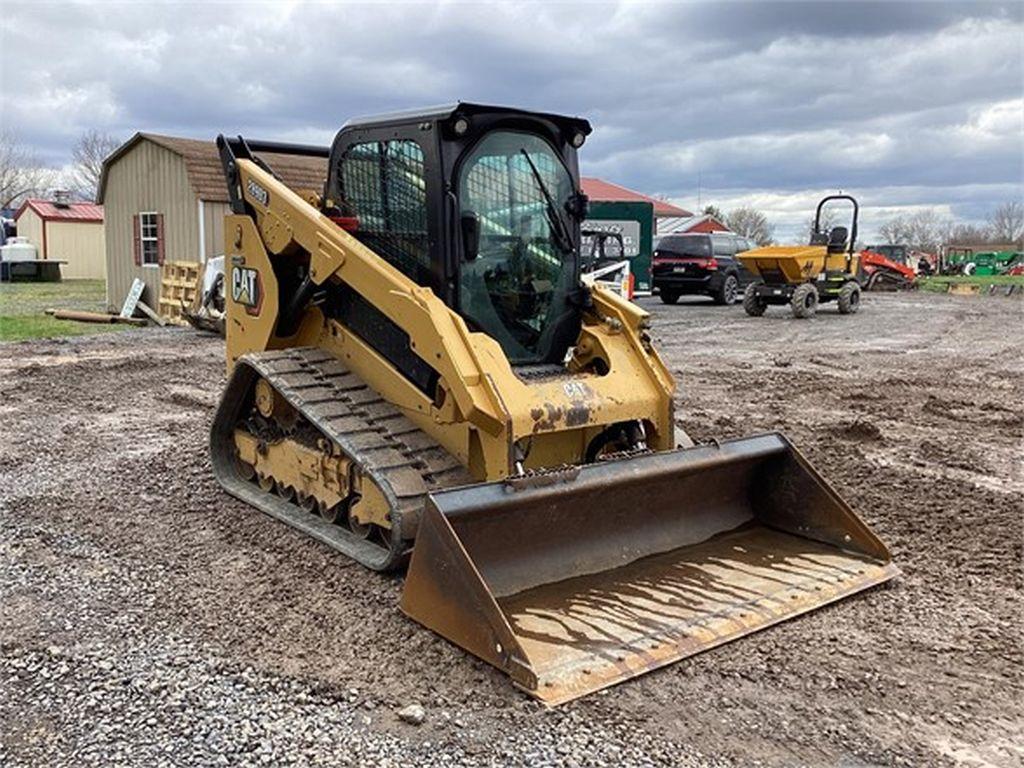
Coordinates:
[599,189]
[205,173]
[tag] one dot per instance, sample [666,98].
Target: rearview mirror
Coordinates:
[470,225]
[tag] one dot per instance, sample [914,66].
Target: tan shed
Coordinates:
[165,199]
[67,231]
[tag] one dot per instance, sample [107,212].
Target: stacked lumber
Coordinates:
[179,289]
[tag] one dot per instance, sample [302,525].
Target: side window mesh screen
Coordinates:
[382,184]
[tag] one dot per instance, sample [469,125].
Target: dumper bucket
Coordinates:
[572,581]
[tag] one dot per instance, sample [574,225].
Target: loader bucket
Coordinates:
[573,581]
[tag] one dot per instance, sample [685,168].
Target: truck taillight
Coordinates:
[711,264]
[348,223]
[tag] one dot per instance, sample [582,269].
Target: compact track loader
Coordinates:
[417,371]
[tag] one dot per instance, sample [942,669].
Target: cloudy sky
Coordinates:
[772,104]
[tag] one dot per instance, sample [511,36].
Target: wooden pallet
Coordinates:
[179,287]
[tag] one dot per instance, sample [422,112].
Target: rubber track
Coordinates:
[390,450]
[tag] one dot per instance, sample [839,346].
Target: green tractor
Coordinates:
[955,259]
[992,262]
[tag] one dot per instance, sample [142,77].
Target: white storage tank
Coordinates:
[18,249]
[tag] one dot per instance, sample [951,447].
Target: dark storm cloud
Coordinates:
[757,99]
[767,21]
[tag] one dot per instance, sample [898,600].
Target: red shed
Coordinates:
[701,224]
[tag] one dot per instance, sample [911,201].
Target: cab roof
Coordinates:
[444,112]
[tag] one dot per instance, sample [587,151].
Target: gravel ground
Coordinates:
[147,618]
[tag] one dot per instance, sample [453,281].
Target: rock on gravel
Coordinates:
[414,714]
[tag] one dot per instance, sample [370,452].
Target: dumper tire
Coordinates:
[753,304]
[849,298]
[805,301]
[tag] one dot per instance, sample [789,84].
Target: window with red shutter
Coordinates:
[136,240]
[151,244]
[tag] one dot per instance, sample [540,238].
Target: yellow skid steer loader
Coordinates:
[416,370]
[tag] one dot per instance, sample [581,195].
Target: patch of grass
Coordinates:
[23,309]
[945,280]
[21,327]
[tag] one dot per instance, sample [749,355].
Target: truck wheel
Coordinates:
[805,301]
[849,298]
[753,304]
[669,296]
[728,292]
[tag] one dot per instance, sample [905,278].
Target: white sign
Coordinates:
[629,229]
[132,299]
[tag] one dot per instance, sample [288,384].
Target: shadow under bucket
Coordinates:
[572,581]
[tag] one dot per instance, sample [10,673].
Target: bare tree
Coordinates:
[926,230]
[895,231]
[714,210]
[828,219]
[21,173]
[1006,224]
[750,222]
[91,149]
[968,234]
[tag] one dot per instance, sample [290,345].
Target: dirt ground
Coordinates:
[147,617]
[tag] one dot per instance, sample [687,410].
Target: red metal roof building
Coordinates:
[599,189]
[49,210]
[701,224]
[66,231]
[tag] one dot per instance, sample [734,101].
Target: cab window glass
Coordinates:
[382,184]
[516,187]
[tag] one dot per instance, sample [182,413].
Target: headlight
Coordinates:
[461,126]
[578,138]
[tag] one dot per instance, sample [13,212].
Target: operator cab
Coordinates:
[604,248]
[480,203]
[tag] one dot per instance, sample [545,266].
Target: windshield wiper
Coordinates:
[555,221]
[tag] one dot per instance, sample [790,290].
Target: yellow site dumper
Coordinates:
[804,276]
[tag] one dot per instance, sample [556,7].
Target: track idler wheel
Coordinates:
[286,492]
[245,470]
[362,530]
[307,502]
[333,513]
